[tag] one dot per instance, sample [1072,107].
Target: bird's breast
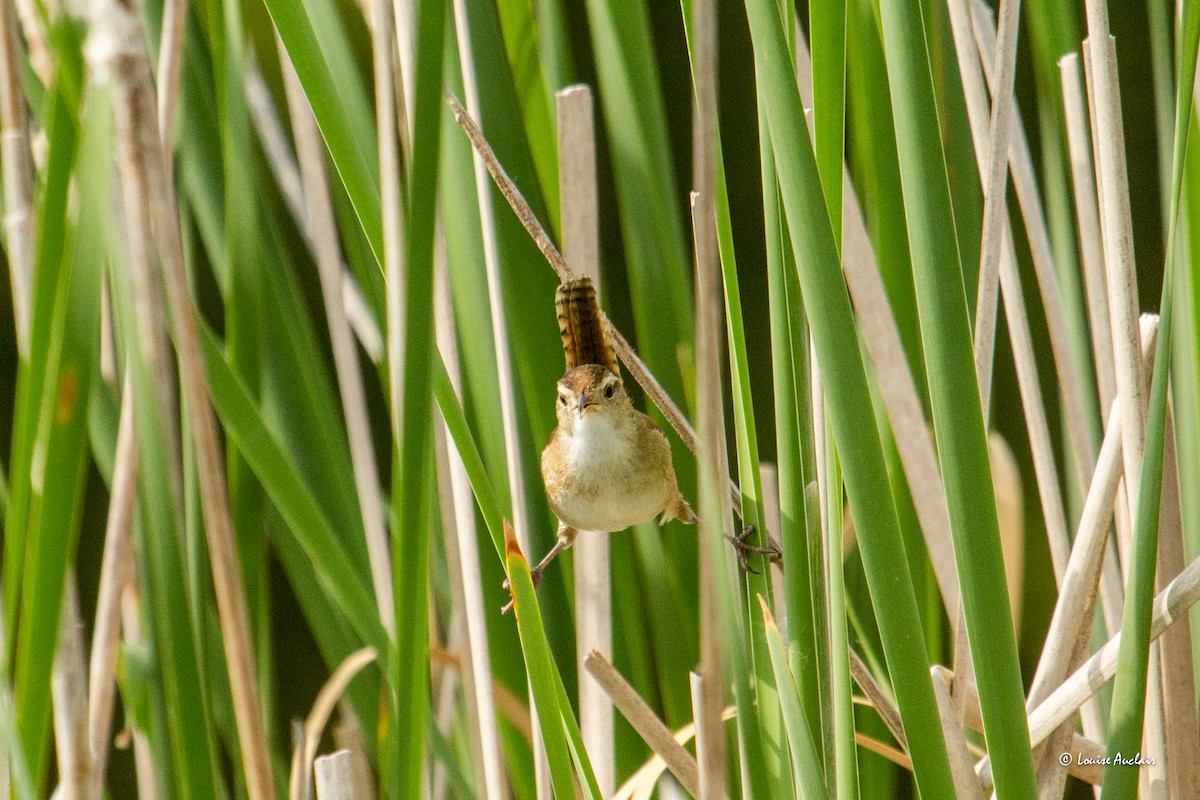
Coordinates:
[596,479]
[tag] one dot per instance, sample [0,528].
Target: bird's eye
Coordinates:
[562,400]
[608,392]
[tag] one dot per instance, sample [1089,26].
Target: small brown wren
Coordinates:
[607,466]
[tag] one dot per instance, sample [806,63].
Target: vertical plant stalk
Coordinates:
[716,515]
[464,554]
[68,684]
[116,571]
[170,65]
[593,589]
[17,163]
[1088,215]
[142,166]
[994,173]
[323,228]
[1117,232]
[966,783]
[1175,645]
[838,716]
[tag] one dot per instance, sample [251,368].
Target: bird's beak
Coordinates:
[583,404]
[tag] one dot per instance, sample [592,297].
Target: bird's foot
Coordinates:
[535,574]
[743,547]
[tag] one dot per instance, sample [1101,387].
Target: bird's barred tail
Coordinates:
[582,325]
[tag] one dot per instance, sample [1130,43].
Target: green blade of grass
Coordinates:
[829,312]
[827,22]
[58,459]
[806,763]
[957,411]
[410,357]
[314,39]
[346,584]
[543,676]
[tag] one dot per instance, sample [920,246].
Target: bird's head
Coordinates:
[588,394]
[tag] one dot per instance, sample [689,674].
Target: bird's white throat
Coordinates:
[599,440]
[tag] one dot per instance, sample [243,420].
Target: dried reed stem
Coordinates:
[1025,183]
[116,571]
[142,164]
[17,162]
[880,701]
[994,174]
[1117,232]
[649,727]
[491,259]
[327,699]
[323,227]
[1088,218]
[962,767]
[1170,606]
[1082,574]
[335,777]
[1175,646]
[593,584]
[463,554]
[68,687]
[170,64]
[299,778]
[503,352]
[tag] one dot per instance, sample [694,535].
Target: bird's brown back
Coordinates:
[581,325]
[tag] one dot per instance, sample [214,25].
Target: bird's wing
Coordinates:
[581,324]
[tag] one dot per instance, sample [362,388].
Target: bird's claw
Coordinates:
[742,546]
[534,574]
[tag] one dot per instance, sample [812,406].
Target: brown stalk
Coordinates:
[646,723]
[1175,646]
[170,64]
[1117,232]
[68,687]
[962,767]
[116,571]
[143,170]
[1088,221]
[883,705]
